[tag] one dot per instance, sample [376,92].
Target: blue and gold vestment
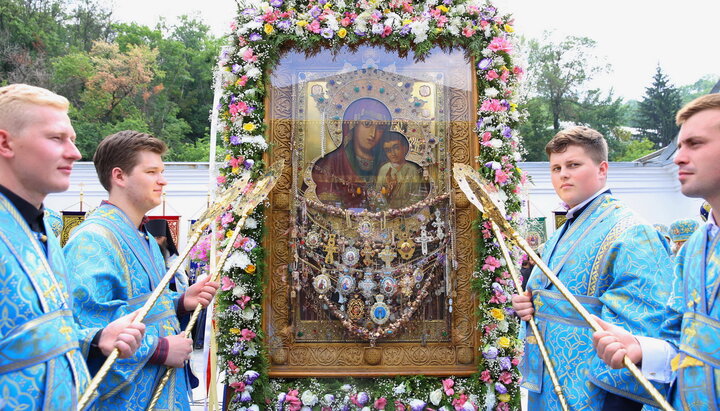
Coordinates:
[41,363]
[620,270]
[115,268]
[697,315]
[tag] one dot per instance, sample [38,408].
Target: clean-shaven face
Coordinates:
[698,156]
[146,181]
[575,176]
[44,152]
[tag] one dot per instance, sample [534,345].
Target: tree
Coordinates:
[656,111]
[559,71]
[699,88]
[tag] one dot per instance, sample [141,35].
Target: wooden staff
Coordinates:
[533,326]
[229,197]
[257,194]
[491,208]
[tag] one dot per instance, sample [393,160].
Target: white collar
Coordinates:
[572,211]
[712,225]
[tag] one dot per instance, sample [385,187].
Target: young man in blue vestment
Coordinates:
[692,361]
[42,349]
[117,266]
[612,261]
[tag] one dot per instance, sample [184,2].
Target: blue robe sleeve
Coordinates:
[638,271]
[101,286]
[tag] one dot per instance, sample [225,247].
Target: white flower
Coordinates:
[496,143]
[468,406]
[309,398]
[491,92]
[251,350]
[248,314]
[340,4]
[436,397]
[305,408]
[393,20]
[253,72]
[419,29]
[503,326]
[239,291]
[253,408]
[490,399]
[365,409]
[238,259]
[346,388]
[332,23]
[251,223]
[400,389]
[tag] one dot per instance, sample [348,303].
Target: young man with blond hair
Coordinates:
[118,264]
[612,261]
[692,360]
[42,365]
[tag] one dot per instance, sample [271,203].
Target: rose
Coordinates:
[309,398]
[436,397]
[380,403]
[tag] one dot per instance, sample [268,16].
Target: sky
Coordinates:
[633,36]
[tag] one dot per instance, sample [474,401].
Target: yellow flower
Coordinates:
[443,8]
[406,22]
[235,170]
[497,314]
[235,330]
[268,28]
[248,126]
[228,157]
[228,233]
[250,269]
[513,106]
[342,33]
[438,29]
[503,397]
[302,23]
[504,342]
[508,28]
[328,5]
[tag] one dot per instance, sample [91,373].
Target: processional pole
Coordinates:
[491,209]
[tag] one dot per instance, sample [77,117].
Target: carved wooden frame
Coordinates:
[291,359]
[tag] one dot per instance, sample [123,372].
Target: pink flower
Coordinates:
[238,386]
[249,56]
[491,263]
[399,406]
[492,105]
[246,335]
[233,368]
[503,406]
[515,361]
[501,177]
[380,403]
[500,44]
[441,21]
[242,81]
[485,376]
[491,75]
[387,30]
[293,401]
[314,27]
[242,301]
[227,218]
[505,76]
[227,283]
[221,179]
[468,31]
[459,402]
[483,24]
[505,377]
[447,386]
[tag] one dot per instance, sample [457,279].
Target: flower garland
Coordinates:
[259,36]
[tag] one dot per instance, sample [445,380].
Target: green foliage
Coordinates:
[116,75]
[699,88]
[635,149]
[656,111]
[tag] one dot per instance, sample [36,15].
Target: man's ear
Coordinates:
[6,144]
[118,177]
[604,169]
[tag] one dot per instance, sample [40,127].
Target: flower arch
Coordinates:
[261,33]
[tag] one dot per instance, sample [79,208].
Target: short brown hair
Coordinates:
[706,102]
[591,140]
[15,100]
[120,150]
